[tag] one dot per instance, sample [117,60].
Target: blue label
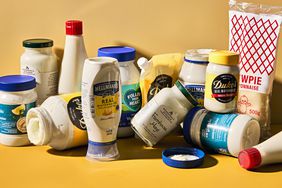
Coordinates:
[106,88]
[12,118]
[214,131]
[197,91]
[131,103]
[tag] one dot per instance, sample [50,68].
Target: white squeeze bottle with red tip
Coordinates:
[73,59]
[267,152]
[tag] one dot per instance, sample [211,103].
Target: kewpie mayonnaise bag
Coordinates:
[160,72]
[253,32]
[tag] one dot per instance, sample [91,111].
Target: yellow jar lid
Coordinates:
[224,57]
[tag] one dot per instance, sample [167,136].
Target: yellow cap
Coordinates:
[224,57]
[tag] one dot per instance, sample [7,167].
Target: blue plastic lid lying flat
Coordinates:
[187,123]
[183,157]
[17,83]
[121,53]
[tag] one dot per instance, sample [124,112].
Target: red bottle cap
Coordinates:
[74,27]
[249,158]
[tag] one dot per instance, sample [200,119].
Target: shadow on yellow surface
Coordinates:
[75,152]
[269,168]
[134,149]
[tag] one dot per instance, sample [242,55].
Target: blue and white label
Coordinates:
[12,118]
[197,91]
[131,103]
[214,131]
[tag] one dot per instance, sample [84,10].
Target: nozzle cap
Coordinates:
[249,158]
[102,151]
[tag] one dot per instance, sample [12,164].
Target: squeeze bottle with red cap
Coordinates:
[73,59]
[267,152]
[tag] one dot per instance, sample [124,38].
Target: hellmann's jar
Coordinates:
[222,79]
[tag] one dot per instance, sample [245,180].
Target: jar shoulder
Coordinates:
[216,68]
[41,62]
[129,74]
[13,98]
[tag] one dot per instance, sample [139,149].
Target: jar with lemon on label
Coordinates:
[17,97]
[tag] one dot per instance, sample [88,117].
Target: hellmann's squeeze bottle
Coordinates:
[267,152]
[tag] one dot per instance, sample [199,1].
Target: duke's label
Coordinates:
[74,108]
[131,103]
[12,118]
[222,88]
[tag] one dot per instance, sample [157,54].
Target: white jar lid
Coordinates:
[200,56]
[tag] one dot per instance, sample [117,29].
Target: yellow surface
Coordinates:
[151,26]
[139,166]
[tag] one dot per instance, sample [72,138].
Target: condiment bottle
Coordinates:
[162,113]
[39,61]
[222,79]
[267,152]
[58,122]
[193,72]
[17,97]
[131,94]
[73,59]
[101,106]
[222,133]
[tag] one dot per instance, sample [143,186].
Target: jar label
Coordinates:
[47,82]
[162,119]
[214,131]
[75,113]
[161,81]
[131,103]
[223,87]
[12,118]
[72,110]
[197,91]
[106,98]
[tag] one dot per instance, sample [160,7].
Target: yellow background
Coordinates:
[151,27]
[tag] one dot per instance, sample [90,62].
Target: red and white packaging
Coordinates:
[253,33]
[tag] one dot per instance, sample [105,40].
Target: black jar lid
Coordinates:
[37,43]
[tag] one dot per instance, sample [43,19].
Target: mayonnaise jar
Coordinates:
[193,72]
[39,61]
[17,97]
[162,113]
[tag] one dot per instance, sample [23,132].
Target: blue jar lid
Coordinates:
[187,123]
[121,53]
[17,83]
[197,160]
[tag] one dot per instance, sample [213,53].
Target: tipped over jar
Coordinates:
[162,113]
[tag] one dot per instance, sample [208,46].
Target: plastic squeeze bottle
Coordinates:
[267,152]
[101,107]
[73,59]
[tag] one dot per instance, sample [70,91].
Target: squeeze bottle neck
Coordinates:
[39,126]
[74,46]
